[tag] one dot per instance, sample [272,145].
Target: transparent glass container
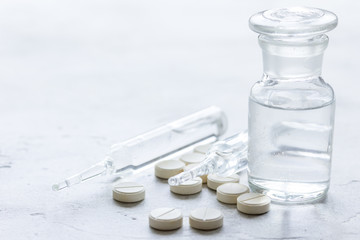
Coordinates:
[291,109]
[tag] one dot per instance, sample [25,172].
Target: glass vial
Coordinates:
[291,109]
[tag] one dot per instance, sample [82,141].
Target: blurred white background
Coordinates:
[77,76]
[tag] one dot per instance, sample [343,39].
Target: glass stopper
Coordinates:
[293,21]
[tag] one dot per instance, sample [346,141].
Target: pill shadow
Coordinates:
[251,216]
[183,197]
[206,232]
[161,180]
[211,191]
[227,205]
[127,205]
[166,232]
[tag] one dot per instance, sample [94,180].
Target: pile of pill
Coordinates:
[228,191]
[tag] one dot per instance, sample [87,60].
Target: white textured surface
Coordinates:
[77,76]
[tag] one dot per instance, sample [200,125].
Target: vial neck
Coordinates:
[293,57]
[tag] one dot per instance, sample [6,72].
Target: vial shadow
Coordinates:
[322,200]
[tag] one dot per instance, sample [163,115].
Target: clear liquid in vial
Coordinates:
[290,151]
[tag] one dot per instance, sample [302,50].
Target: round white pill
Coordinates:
[214,181]
[128,192]
[229,192]
[190,166]
[253,203]
[168,168]
[206,218]
[190,187]
[192,158]
[203,148]
[165,218]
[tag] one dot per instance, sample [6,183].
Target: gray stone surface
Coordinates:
[77,76]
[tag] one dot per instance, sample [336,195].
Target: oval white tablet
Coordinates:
[192,158]
[168,168]
[206,218]
[190,166]
[165,218]
[229,192]
[203,149]
[214,181]
[253,203]
[190,187]
[128,192]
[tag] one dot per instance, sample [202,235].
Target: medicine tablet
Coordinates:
[190,187]
[192,158]
[165,218]
[214,181]
[253,203]
[203,148]
[190,166]
[229,192]
[128,192]
[206,218]
[168,168]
